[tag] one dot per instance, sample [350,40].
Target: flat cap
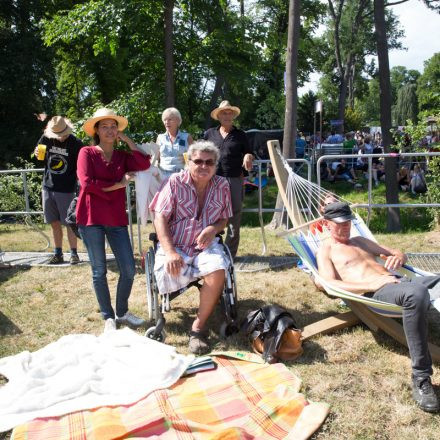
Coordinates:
[338,212]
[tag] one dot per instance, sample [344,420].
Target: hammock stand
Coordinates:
[361,307]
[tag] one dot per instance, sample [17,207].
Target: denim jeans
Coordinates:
[94,240]
[413,296]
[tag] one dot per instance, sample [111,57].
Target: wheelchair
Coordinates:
[159,304]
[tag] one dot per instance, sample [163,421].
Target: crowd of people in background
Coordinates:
[410,174]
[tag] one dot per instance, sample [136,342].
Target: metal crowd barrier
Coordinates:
[259,209]
[370,157]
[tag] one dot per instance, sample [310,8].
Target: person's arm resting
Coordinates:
[393,258]
[174,261]
[208,234]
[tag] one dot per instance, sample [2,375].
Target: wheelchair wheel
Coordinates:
[152,290]
[229,298]
[227,330]
[151,333]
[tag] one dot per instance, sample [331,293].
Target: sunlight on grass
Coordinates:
[358,372]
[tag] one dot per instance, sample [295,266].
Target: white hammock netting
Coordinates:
[305,199]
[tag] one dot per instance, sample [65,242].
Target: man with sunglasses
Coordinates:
[189,211]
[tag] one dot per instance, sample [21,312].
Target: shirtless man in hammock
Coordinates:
[350,264]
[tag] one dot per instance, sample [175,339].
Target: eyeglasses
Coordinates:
[208,162]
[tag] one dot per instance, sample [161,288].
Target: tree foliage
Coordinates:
[72,56]
[27,83]
[428,85]
[406,108]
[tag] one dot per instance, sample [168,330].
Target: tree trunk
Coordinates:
[169,58]
[392,192]
[343,87]
[213,102]
[290,116]
[351,87]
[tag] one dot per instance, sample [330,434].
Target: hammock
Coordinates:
[303,201]
[306,245]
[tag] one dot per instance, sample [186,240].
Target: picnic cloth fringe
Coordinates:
[83,371]
[239,400]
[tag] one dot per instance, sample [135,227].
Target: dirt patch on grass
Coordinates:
[433,239]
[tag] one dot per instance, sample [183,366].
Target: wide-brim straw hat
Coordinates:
[99,115]
[58,128]
[224,105]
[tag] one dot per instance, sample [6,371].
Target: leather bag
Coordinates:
[273,334]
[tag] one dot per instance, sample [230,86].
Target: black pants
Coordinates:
[413,296]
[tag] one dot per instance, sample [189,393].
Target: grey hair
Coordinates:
[173,112]
[204,147]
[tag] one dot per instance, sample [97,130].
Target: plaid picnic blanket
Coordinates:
[238,400]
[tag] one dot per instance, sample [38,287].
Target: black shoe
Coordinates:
[424,394]
[56,259]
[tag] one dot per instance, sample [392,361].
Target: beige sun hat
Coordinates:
[224,105]
[58,127]
[99,115]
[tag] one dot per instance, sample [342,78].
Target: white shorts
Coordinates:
[210,260]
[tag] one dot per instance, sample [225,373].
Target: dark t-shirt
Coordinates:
[232,150]
[60,163]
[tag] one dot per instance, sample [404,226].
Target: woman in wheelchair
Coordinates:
[190,210]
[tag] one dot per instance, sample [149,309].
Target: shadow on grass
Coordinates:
[7,327]
[184,317]
[254,263]
[7,272]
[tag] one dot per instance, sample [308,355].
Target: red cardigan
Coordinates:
[96,207]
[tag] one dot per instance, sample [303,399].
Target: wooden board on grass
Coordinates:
[330,325]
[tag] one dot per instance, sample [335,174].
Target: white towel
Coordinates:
[147,183]
[84,371]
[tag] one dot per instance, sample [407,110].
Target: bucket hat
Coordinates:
[58,127]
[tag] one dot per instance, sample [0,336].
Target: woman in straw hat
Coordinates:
[59,149]
[173,143]
[103,174]
[235,154]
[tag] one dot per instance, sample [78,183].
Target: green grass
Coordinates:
[364,376]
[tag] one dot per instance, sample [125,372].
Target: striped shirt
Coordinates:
[177,201]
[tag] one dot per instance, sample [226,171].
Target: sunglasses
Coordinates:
[208,163]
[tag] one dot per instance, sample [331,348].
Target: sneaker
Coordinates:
[198,343]
[424,394]
[130,320]
[56,259]
[74,259]
[110,325]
